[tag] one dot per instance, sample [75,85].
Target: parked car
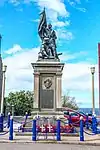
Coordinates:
[75,116]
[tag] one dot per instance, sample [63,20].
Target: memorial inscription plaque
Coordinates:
[46,92]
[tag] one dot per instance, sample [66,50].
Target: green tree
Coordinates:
[70,102]
[22,101]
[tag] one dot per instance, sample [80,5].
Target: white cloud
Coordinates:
[16,48]
[72,3]
[61,23]
[56,8]
[55,5]
[36,20]
[76,76]
[14,2]
[77,79]
[70,56]
[82,9]
[56,11]
[76,4]
[67,35]
[64,34]
[59,17]
[19,70]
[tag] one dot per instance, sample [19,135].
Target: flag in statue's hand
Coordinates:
[42,23]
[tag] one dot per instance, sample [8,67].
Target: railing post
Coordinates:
[8,120]
[26,116]
[81,129]
[87,121]
[94,124]
[58,130]
[22,127]
[1,122]
[70,119]
[11,129]
[34,130]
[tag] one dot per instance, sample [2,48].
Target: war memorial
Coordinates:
[47,71]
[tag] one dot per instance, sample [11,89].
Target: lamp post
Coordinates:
[12,110]
[93,99]
[3,87]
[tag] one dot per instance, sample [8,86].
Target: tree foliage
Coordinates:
[68,101]
[22,101]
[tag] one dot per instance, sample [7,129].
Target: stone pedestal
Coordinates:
[47,85]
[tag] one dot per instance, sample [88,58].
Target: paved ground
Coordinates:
[67,143]
[64,139]
[38,146]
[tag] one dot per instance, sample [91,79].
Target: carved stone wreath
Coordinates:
[48,83]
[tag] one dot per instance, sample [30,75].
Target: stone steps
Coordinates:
[44,134]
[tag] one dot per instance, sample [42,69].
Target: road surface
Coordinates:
[38,146]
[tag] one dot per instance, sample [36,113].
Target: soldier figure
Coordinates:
[48,37]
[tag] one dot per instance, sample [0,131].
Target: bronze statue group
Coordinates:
[48,38]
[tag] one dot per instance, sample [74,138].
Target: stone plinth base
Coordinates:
[48,114]
[47,85]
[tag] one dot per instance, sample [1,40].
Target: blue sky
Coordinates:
[77,24]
